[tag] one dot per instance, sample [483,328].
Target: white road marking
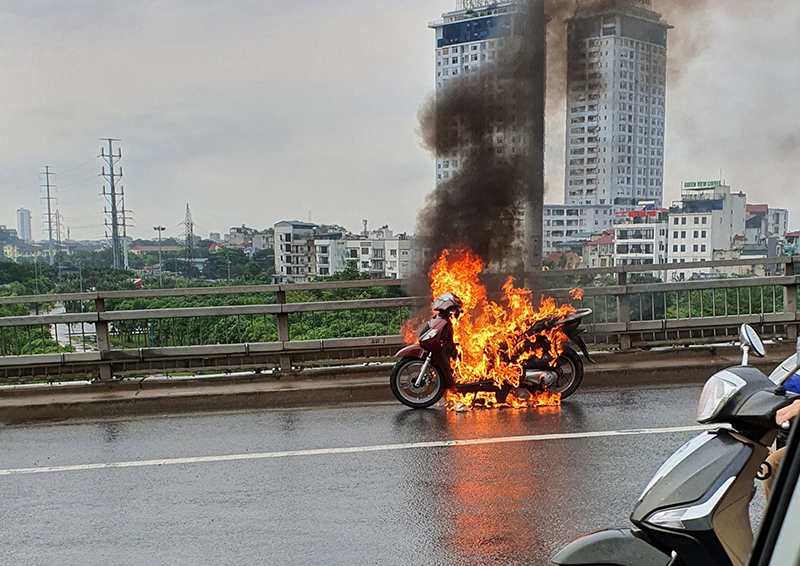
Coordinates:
[351,450]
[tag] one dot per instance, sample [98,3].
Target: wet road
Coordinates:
[274,502]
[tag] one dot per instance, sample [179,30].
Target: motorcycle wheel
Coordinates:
[570,373]
[404,374]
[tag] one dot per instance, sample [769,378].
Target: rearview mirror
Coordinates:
[752,341]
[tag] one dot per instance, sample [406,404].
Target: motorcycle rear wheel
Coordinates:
[404,374]
[569,366]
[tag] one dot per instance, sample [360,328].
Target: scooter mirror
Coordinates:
[751,340]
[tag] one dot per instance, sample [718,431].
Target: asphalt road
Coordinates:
[332,486]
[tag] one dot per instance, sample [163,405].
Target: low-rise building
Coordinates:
[599,250]
[705,220]
[140,250]
[791,245]
[294,246]
[641,237]
[778,221]
[564,222]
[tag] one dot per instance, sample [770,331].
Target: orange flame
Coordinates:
[495,339]
[576,294]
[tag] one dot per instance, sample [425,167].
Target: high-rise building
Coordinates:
[24,225]
[466,38]
[485,32]
[616,88]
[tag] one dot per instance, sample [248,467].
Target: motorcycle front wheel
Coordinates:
[403,384]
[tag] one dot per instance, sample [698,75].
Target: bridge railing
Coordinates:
[286,327]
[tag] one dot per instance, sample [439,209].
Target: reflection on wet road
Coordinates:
[489,503]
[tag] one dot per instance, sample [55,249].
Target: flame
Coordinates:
[576,294]
[496,339]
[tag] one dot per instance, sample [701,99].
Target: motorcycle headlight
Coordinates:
[717,391]
[429,335]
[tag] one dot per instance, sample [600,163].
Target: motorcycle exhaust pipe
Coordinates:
[540,377]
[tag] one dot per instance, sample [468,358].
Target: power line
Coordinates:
[81,166]
[81,182]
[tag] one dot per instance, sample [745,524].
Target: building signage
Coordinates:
[636,214]
[701,184]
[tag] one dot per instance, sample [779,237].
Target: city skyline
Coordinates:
[243,138]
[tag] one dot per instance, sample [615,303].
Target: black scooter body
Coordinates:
[713,473]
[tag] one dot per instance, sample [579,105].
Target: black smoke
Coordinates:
[490,120]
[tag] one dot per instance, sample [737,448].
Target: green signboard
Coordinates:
[701,184]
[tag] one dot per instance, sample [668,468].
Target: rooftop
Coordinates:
[297,224]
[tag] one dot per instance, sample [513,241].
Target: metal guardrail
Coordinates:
[275,335]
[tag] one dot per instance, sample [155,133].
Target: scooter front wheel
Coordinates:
[404,384]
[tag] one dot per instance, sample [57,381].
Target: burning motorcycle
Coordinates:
[424,371]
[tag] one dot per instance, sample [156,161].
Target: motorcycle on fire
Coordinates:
[423,372]
[695,510]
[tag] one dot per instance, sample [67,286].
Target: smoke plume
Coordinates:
[481,123]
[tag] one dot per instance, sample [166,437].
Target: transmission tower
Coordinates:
[188,232]
[115,196]
[48,199]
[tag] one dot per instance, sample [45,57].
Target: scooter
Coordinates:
[695,510]
[423,372]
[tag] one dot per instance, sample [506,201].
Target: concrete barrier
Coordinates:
[331,386]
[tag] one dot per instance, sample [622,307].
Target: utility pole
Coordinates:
[115,199]
[58,242]
[49,215]
[534,171]
[229,271]
[160,229]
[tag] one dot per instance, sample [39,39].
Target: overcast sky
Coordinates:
[254,111]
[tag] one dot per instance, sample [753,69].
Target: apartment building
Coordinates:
[708,218]
[294,245]
[571,224]
[641,237]
[616,93]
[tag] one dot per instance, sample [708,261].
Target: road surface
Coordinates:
[375,484]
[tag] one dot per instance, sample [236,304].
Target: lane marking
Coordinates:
[352,450]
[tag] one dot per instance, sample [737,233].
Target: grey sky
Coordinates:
[256,111]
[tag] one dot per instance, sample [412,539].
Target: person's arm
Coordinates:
[788,413]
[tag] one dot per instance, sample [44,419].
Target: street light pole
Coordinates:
[160,229]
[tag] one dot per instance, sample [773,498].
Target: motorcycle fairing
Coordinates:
[695,476]
[412,351]
[616,546]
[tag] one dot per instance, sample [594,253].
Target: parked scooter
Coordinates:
[695,510]
[423,373]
